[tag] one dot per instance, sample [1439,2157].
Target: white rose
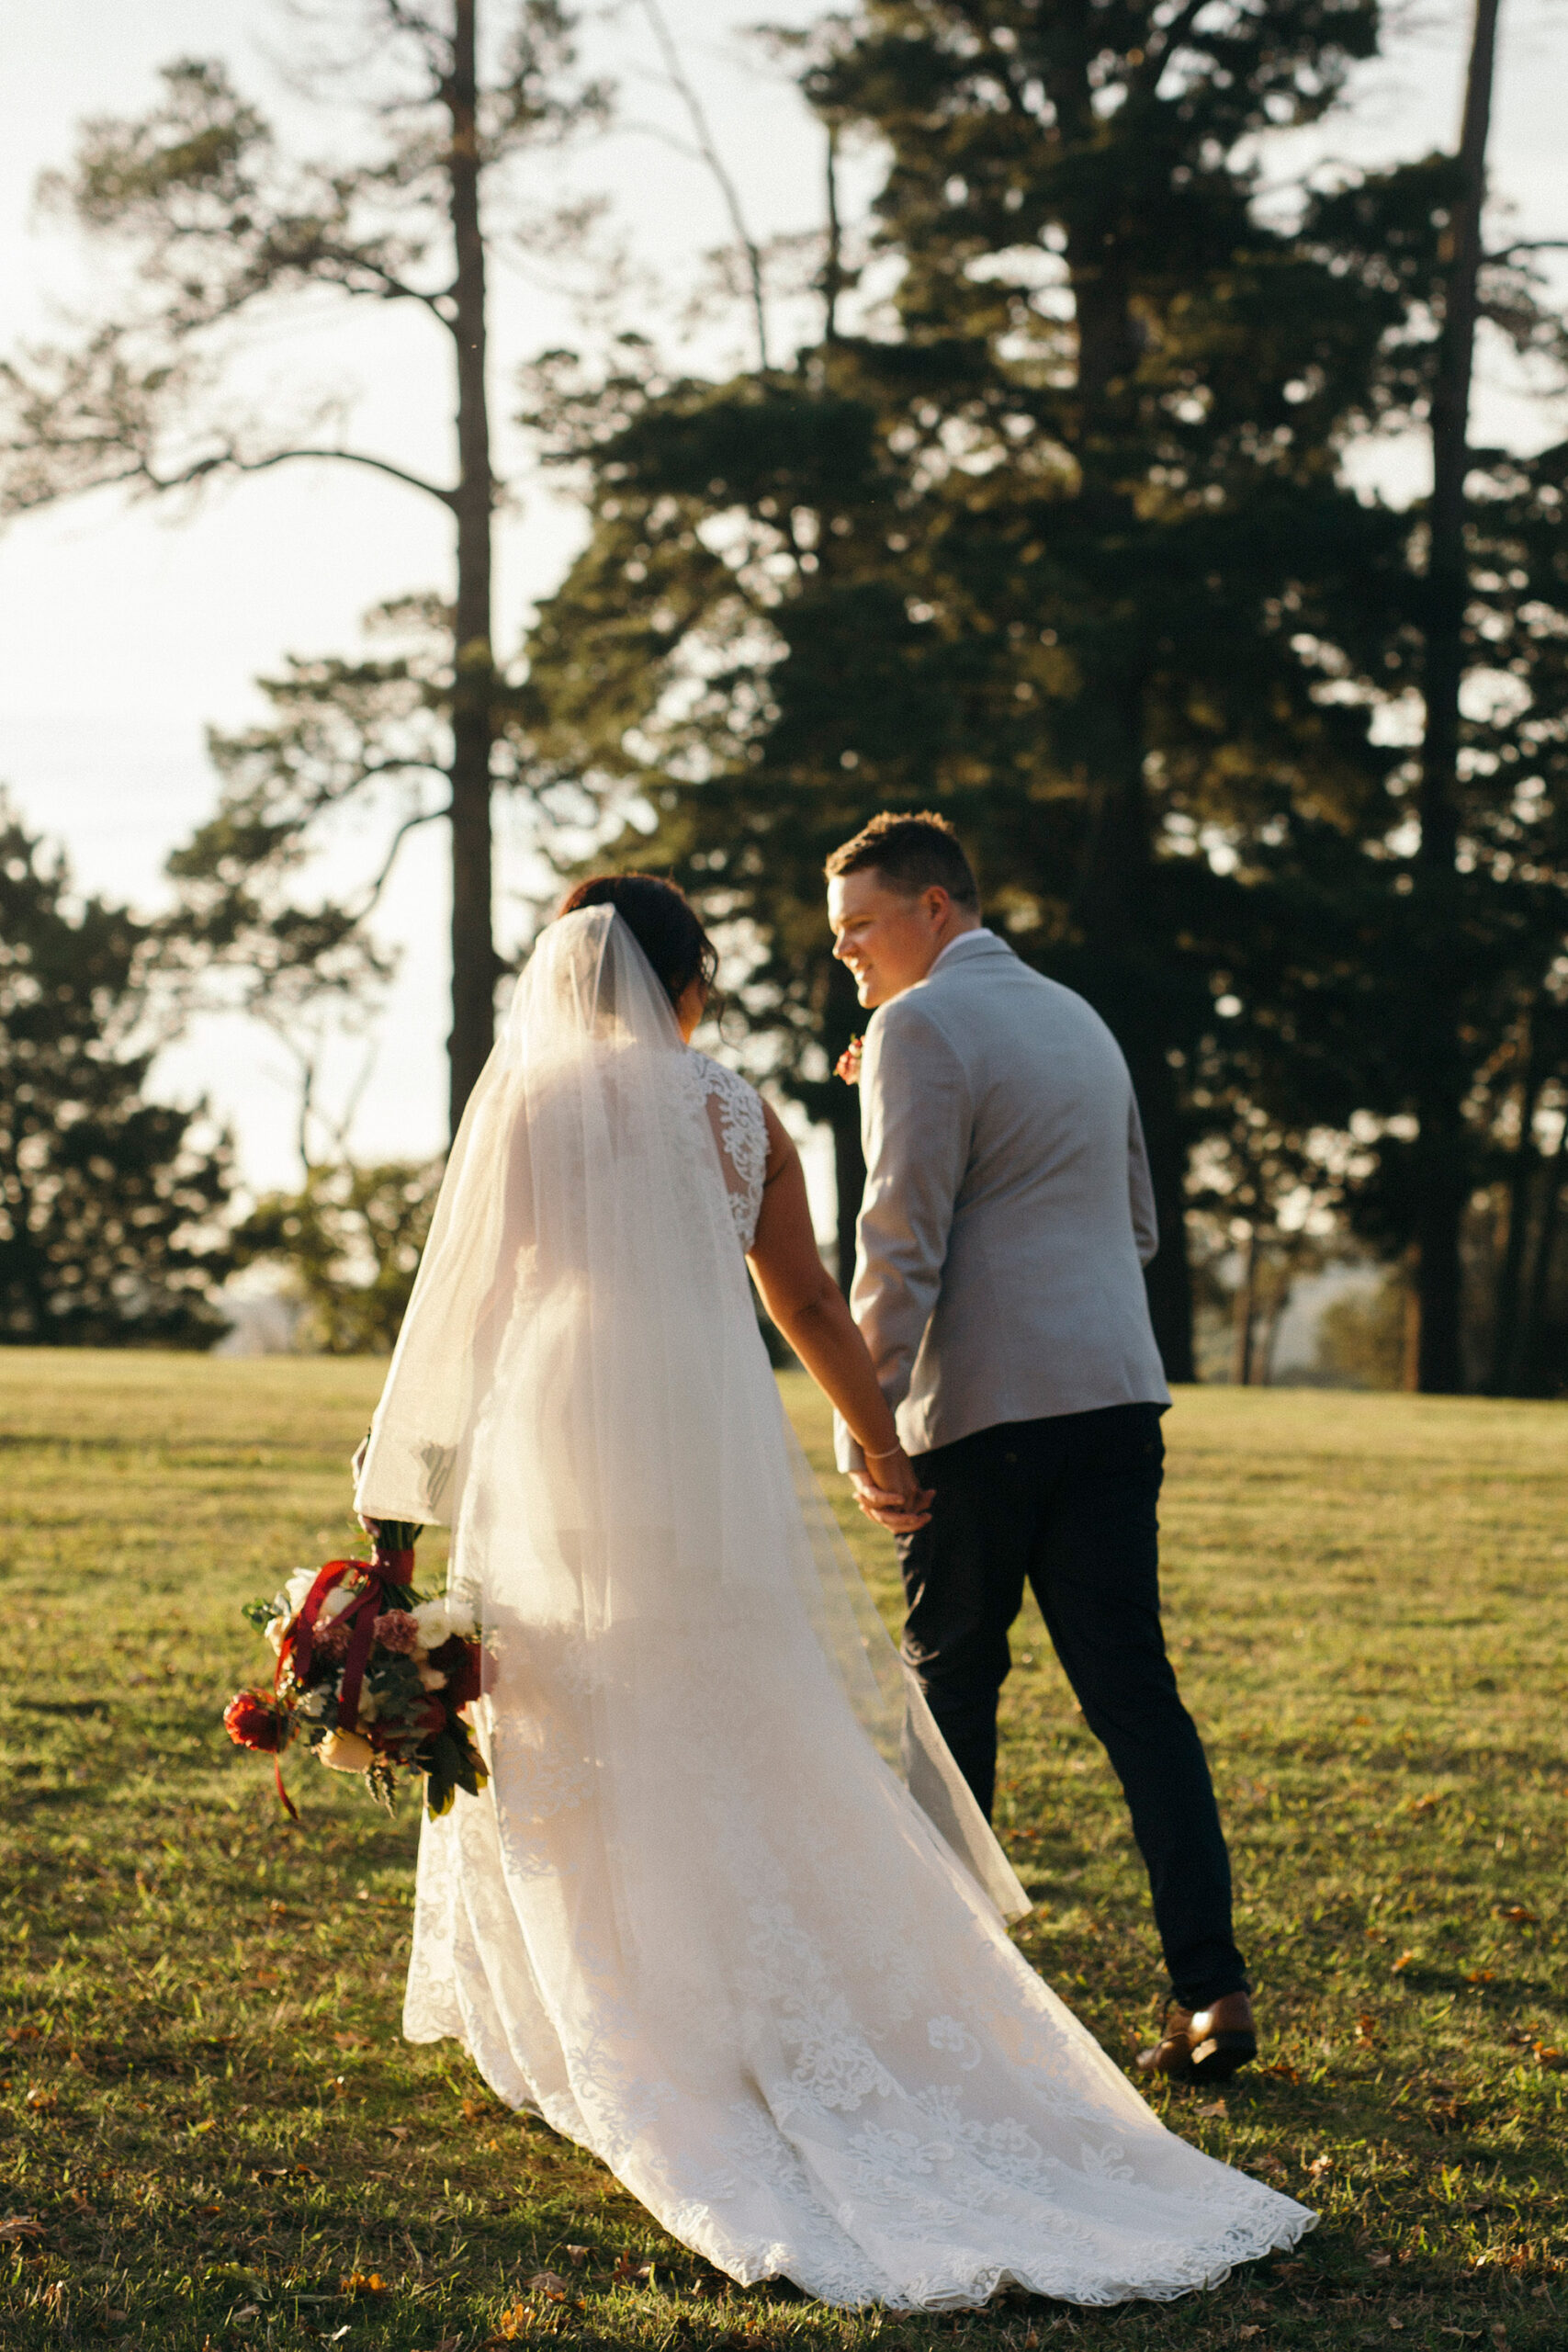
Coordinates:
[294,1592]
[433,1622]
[334,1604]
[432,1678]
[369,1706]
[460,1618]
[273,1629]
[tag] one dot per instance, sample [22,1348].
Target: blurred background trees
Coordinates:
[1047,520]
[111,1206]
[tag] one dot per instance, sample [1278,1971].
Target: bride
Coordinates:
[726,1914]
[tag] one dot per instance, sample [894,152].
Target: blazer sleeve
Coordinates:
[1140,1186]
[916,1122]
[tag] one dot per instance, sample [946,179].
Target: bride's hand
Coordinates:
[888,1491]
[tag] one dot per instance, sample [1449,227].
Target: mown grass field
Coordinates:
[212,2137]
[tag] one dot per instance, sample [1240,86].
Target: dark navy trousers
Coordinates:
[1070,1504]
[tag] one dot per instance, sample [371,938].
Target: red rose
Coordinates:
[847,1066]
[461,1662]
[431,1718]
[253,1719]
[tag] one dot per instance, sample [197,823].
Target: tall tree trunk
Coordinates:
[1115,894]
[1115,911]
[1244,1312]
[1532,1348]
[473,947]
[1507,1316]
[1441,1185]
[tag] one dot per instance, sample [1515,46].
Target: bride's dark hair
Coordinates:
[661,921]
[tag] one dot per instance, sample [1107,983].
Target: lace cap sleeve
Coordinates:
[735,1114]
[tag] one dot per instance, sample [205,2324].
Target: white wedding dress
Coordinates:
[725,1914]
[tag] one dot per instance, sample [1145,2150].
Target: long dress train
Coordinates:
[725,1914]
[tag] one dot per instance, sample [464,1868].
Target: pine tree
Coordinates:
[110,1205]
[218,225]
[1046,556]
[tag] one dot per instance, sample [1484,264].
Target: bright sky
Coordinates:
[124,631]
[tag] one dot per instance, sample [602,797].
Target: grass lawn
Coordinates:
[213,2136]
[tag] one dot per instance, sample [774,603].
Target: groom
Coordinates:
[998,1285]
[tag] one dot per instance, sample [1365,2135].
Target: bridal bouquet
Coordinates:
[372,1677]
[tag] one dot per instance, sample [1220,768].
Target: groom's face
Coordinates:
[888,941]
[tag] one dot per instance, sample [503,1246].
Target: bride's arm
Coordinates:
[809,1309]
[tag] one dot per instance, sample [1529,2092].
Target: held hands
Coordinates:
[888,1491]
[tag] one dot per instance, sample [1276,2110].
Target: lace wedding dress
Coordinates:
[726,1914]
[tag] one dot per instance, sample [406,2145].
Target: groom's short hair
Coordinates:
[912,854]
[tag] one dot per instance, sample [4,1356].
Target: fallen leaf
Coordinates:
[1216,2107]
[1480,1975]
[475,2109]
[628,2272]
[1281,2071]
[1319,2166]
[401,2130]
[1247,2332]
[42,2102]
[1266,2163]
[16,2035]
[17,2226]
[1397,2325]
[1406,1960]
[1380,2261]
[263,1977]
[551,2285]
[577,2253]
[1366,2032]
[1520,1914]
[252,2311]
[352,2040]
[363,2282]
[1548,2056]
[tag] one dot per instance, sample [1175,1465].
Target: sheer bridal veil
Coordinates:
[580,1388]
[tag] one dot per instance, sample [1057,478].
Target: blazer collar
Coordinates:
[967,943]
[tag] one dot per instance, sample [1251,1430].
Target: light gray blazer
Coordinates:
[1008,1212]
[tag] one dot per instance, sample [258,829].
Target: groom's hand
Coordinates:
[888,1491]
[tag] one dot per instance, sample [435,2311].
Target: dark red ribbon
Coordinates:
[299,1649]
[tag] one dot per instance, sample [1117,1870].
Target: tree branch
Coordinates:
[716,164]
[448,498]
[423,817]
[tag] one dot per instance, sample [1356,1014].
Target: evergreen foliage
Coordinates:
[1065,547]
[109,1204]
[214,222]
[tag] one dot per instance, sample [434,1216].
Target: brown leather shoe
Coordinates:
[1204,2045]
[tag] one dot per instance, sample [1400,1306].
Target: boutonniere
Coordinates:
[847,1066]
